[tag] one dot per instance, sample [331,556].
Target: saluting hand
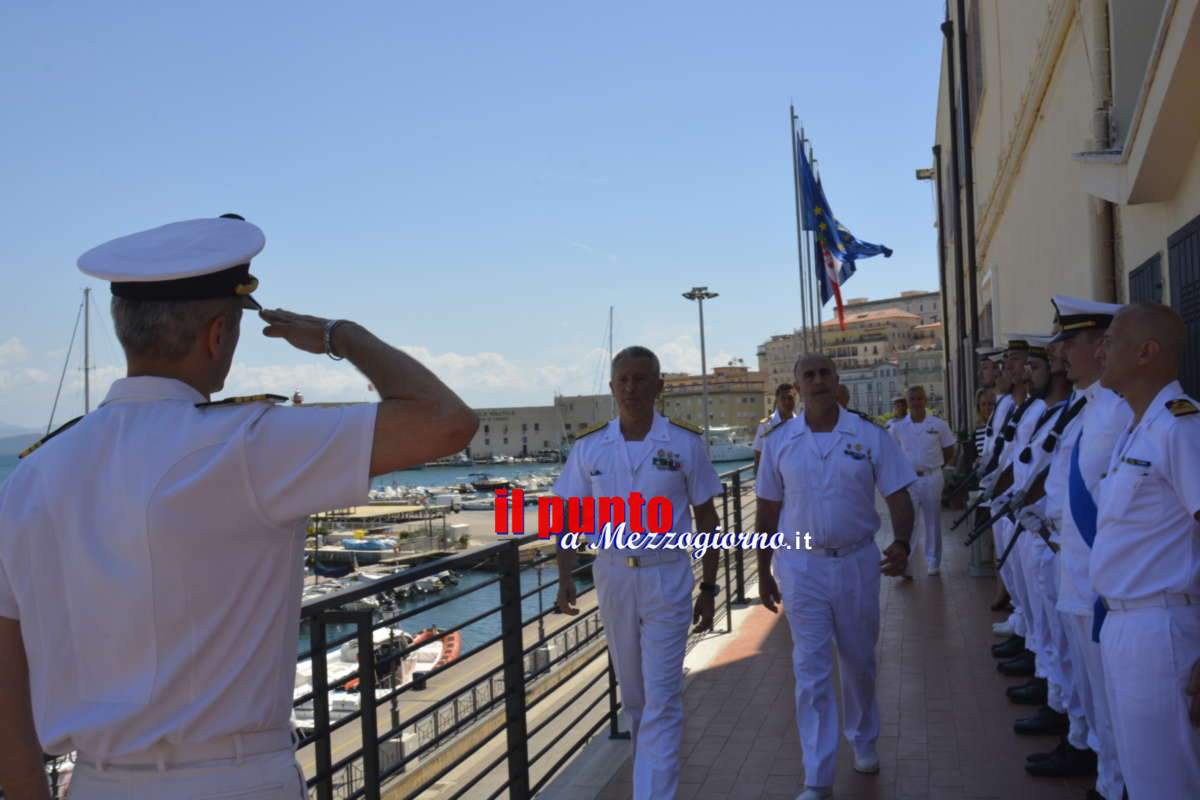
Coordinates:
[299,330]
[768,592]
[703,612]
[895,559]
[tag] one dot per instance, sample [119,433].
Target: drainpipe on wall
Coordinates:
[1103,220]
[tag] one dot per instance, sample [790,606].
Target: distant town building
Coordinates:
[735,398]
[872,388]
[581,411]
[519,431]
[877,332]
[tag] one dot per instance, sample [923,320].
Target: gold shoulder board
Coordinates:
[764,420]
[590,430]
[687,426]
[47,438]
[237,401]
[1182,407]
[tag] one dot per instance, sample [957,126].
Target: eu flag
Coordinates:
[838,247]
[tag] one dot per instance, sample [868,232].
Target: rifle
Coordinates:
[1008,550]
[970,510]
[1020,499]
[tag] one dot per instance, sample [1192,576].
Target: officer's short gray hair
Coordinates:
[165,330]
[637,351]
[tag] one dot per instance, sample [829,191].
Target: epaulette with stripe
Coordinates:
[774,428]
[687,426]
[868,418]
[250,398]
[47,438]
[1181,407]
[590,430]
[764,420]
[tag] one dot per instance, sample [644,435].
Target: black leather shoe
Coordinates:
[1033,758]
[1011,647]
[1033,693]
[1046,722]
[1020,667]
[1068,763]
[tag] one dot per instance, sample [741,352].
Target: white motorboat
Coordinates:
[724,444]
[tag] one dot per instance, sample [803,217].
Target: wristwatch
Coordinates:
[906,545]
[710,588]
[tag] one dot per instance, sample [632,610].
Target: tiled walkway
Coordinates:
[947,725]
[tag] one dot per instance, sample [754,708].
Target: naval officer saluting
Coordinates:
[127,633]
[820,471]
[646,595]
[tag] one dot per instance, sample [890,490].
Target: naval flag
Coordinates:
[837,246]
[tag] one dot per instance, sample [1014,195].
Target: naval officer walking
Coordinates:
[820,471]
[645,595]
[928,444]
[1144,562]
[127,633]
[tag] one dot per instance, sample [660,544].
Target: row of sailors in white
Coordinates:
[1132,454]
[127,633]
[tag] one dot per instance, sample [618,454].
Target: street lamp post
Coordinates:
[700,294]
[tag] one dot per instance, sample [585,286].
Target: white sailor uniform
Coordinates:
[765,426]
[645,596]
[1105,417]
[827,483]
[1145,563]
[149,644]
[1020,424]
[922,443]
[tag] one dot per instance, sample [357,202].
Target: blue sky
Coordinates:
[475,182]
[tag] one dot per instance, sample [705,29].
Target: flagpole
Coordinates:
[813,256]
[804,324]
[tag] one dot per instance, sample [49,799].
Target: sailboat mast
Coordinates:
[612,401]
[87,352]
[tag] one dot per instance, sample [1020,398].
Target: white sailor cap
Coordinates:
[198,259]
[1036,344]
[1074,314]
[988,353]
[1019,342]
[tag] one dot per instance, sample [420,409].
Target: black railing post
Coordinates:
[728,597]
[320,685]
[366,699]
[614,727]
[737,525]
[512,646]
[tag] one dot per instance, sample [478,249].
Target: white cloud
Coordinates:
[682,354]
[13,351]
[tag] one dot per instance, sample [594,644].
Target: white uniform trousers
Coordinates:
[1080,735]
[271,776]
[1148,655]
[1093,694]
[830,601]
[926,493]
[1044,571]
[646,612]
[1011,574]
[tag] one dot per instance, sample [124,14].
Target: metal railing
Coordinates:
[504,716]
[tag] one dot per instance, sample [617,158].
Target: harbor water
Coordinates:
[471,604]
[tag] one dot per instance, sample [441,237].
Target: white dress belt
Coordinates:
[1160,600]
[838,552]
[164,756]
